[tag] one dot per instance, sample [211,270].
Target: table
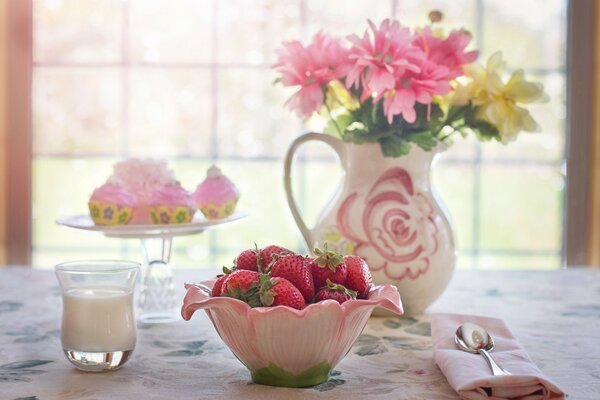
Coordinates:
[555,315]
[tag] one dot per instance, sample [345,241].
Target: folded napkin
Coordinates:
[470,375]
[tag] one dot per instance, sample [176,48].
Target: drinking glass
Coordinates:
[98,323]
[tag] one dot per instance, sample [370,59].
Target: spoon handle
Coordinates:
[496,369]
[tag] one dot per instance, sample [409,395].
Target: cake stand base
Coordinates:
[157,302]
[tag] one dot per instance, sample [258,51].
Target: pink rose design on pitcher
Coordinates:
[396,231]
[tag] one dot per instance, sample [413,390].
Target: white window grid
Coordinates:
[214,67]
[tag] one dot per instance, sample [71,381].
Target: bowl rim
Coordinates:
[385,296]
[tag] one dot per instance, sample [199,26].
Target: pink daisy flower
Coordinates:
[379,61]
[311,68]
[431,80]
[449,52]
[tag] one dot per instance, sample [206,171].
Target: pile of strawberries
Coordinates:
[275,276]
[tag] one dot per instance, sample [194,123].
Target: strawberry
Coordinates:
[328,265]
[267,254]
[280,292]
[248,259]
[334,291]
[295,269]
[218,286]
[359,277]
[242,285]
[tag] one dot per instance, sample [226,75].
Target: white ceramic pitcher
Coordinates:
[386,212]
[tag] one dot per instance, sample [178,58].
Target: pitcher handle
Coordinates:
[336,144]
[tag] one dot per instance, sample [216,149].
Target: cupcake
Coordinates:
[111,205]
[171,204]
[142,177]
[216,196]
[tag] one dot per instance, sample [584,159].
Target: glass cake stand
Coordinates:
[157,301]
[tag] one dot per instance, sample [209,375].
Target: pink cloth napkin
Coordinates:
[470,375]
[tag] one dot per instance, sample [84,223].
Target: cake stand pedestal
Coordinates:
[157,302]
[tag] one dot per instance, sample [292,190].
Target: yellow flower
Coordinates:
[338,96]
[497,102]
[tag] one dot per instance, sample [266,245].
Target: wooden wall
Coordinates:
[3,132]
[594,216]
[15,131]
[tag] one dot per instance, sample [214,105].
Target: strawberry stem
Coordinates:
[340,288]
[266,293]
[328,258]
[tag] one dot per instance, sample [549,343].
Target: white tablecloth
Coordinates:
[555,315]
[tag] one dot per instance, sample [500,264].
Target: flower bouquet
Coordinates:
[393,98]
[398,86]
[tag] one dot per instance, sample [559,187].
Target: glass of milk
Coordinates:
[98,322]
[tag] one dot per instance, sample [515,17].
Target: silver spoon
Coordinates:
[474,339]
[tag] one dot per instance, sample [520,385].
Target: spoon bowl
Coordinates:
[474,339]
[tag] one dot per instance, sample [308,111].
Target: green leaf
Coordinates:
[358,136]
[394,146]
[428,117]
[424,140]
[339,124]
[344,120]
[485,131]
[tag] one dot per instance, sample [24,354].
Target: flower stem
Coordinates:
[454,130]
[333,120]
[449,122]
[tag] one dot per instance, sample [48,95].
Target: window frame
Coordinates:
[580,113]
[18,151]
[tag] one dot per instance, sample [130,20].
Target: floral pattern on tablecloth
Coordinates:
[392,359]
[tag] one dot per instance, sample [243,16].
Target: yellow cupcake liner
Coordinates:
[104,213]
[171,215]
[218,211]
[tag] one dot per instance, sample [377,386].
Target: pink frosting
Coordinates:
[172,195]
[142,177]
[215,189]
[110,193]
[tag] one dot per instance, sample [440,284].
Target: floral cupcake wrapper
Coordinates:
[104,213]
[218,211]
[171,215]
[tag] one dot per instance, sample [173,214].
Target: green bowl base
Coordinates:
[272,375]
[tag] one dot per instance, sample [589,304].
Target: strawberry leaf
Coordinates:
[340,288]
[266,294]
[328,258]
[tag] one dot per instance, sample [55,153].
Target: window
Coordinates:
[190,81]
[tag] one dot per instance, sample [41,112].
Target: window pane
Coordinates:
[456,14]
[170,112]
[77,111]
[252,121]
[326,15]
[249,31]
[161,31]
[531,34]
[530,262]
[77,31]
[520,208]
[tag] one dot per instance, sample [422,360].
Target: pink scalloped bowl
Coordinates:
[282,346]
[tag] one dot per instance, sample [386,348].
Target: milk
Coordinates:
[98,319]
